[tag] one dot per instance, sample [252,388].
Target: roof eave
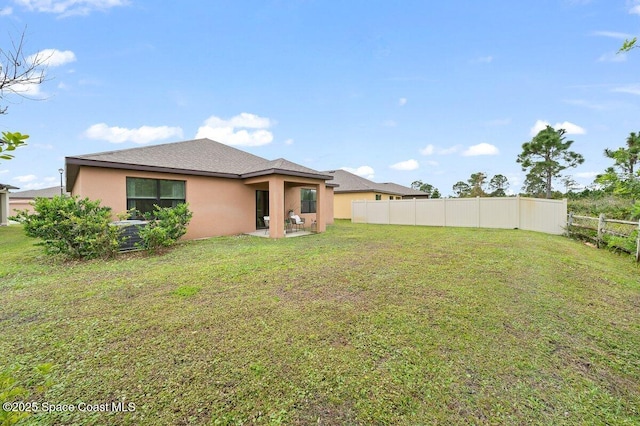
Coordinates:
[75,162]
[275,171]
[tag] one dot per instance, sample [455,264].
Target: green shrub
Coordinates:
[165,226]
[72,227]
[613,207]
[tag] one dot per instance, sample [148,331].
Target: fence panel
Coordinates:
[433,213]
[532,214]
[378,212]
[548,216]
[499,213]
[462,212]
[402,212]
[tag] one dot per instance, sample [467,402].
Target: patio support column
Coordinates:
[276,207]
[4,208]
[321,213]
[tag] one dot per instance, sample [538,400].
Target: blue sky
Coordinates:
[395,91]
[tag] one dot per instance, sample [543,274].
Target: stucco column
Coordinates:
[321,199]
[4,208]
[276,207]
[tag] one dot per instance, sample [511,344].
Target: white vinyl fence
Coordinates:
[533,214]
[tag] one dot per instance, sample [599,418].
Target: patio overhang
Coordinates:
[277,185]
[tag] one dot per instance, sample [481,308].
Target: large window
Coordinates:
[307,200]
[142,193]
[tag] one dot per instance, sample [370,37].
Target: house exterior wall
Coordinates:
[293,198]
[16,205]
[342,201]
[220,206]
[329,204]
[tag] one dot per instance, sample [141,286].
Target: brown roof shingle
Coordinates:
[348,182]
[199,157]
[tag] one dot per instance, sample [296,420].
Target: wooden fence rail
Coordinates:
[597,228]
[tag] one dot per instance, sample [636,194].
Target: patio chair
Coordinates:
[297,222]
[266,224]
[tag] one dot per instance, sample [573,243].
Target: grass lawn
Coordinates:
[363,324]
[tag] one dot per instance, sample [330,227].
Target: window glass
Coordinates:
[143,194]
[172,189]
[307,200]
[141,188]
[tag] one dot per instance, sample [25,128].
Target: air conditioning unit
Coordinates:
[130,237]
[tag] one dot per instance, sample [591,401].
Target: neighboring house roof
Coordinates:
[352,183]
[404,190]
[195,157]
[33,193]
[6,187]
[348,182]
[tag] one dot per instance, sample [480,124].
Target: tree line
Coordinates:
[545,157]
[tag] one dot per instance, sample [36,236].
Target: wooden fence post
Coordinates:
[601,224]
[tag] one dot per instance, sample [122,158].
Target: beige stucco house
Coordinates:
[229,191]
[23,200]
[356,188]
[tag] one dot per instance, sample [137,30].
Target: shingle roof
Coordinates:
[5,186]
[199,156]
[33,193]
[404,190]
[348,182]
[352,183]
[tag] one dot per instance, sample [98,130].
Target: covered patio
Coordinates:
[281,192]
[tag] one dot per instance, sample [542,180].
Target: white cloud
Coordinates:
[289,142]
[571,129]
[4,171]
[586,175]
[405,165]
[34,185]
[431,163]
[613,34]
[6,11]
[363,171]
[52,179]
[480,149]
[635,10]
[70,7]
[29,90]
[25,178]
[402,101]
[233,131]
[428,150]
[613,57]
[587,104]
[142,134]
[53,57]
[633,89]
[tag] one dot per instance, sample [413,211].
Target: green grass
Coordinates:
[360,325]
